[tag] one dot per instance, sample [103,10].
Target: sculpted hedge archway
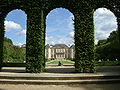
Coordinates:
[36,14]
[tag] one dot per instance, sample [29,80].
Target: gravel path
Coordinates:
[61,87]
[105,70]
[66,69]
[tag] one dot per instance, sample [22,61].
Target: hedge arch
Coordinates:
[37,11]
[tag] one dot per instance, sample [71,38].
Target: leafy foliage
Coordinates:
[110,48]
[37,11]
[12,53]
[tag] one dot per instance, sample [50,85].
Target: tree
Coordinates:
[114,37]
[110,48]
[12,53]
[102,42]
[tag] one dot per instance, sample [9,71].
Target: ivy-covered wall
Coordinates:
[37,10]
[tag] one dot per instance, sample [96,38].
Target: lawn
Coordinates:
[62,61]
[108,63]
[102,63]
[65,63]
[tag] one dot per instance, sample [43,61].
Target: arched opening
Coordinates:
[107,51]
[14,46]
[59,49]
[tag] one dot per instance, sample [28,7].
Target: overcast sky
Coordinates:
[59,26]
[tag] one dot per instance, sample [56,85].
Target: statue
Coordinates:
[60,64]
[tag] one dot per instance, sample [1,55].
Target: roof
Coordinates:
[60,46]
[47,46]
[56,46]
[73,46]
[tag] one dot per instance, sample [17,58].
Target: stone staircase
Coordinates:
[57,79]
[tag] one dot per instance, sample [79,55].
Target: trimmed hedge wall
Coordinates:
[37,10]
[1,40]
[84,42]
[35,41]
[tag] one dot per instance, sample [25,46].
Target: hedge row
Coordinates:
[37,10]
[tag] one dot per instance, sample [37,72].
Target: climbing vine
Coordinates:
[37,10]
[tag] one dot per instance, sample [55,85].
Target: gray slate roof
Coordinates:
[73,46]
[60,46]
[56,46]
[47,46]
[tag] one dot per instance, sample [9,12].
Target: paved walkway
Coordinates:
[61,87]
[64,69]
[56,71]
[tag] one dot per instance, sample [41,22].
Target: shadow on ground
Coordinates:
[60,69]
[13,69]
[65,69]
[96,86]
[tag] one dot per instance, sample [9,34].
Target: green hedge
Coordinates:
[37,11]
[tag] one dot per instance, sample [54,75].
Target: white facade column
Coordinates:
[72,54]
[49,53]
[66,53]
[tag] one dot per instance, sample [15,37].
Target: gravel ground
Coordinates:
[61,87]
[65,69]
[104,69]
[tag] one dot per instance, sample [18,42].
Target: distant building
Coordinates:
[59,51]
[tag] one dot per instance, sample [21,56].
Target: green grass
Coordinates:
[108,63]
[62,61]
[102,63]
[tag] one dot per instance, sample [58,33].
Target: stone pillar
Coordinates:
[84,41]
[1,38]
[35,44]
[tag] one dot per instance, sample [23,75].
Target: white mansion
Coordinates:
[59,51]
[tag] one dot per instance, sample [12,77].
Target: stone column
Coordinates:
[35,44]
[1,38]
[84,41]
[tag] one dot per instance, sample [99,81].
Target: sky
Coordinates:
[59,26]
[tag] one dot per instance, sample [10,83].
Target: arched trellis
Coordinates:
[37,11]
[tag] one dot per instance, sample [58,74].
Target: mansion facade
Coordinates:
[59,52]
